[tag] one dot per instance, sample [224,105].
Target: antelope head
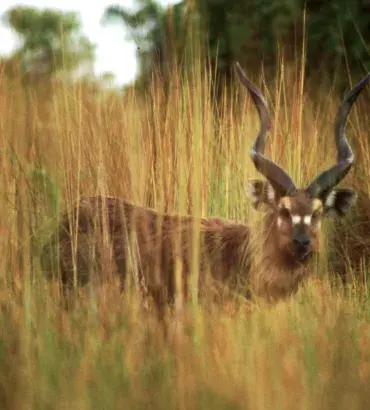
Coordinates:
[297,212]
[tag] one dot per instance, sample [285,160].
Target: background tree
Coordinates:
[336,34]
[159,33]
[52,42]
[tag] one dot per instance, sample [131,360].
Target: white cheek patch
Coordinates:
[330,200]
[307,220]
[296,219]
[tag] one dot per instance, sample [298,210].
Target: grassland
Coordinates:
[181,153]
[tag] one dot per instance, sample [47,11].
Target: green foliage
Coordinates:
[45,200]
[159,33]
[254,31]
[336,32]
[51,40]
[341,29]
[42,185]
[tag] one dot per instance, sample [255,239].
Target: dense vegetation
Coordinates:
[258,33]
[184,152]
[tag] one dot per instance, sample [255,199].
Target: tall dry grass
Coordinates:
[180,153]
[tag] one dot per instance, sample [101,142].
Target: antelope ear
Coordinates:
[339,201]
[260,193]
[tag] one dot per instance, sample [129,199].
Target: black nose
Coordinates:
[301,242]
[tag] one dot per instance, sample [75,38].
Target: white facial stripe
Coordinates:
[296,219]
[279,222]
[307,220]
[330,200]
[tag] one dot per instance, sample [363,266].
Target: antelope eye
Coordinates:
[284,213]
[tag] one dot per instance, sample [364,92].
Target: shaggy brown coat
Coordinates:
[117,237]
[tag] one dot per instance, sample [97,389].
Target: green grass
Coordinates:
[177,154]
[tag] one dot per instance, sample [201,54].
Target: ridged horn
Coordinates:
[279,179]
[329,178]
